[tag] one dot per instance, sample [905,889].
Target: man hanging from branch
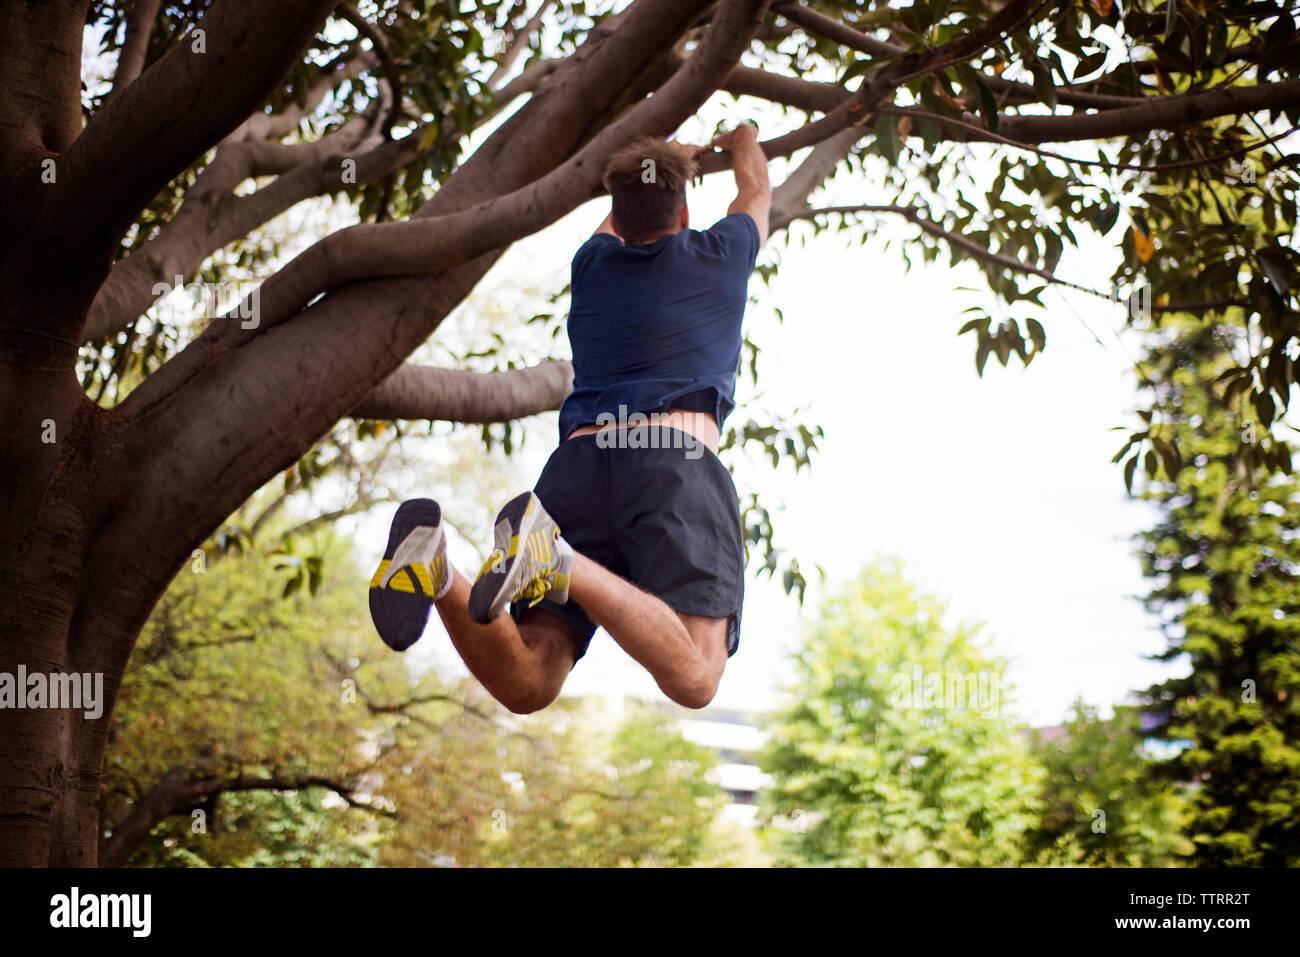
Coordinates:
[632,525]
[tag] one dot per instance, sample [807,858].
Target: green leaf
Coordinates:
[1104,217]
[1265,408]
[931,132]
[1055,247]
[1169,456]
[1218,45]
[1090,63]
[887,138]
[856,68]
[988,105]
[1275,267]
[1043,85]
[1002,346]
[1037,334]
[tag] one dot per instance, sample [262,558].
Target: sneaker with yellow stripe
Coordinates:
[530,561]
[413,575]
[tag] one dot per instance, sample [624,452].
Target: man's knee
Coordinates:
[693,695]
[526,694]
[528,701]
[550,642]
[697,687]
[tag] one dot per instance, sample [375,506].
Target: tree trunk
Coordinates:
[75,598]
[50,758]
[103,507]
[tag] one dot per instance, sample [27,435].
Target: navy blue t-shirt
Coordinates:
[657,325]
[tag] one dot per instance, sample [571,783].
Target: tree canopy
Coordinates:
[1223,564]
[895,749]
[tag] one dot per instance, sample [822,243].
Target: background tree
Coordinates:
[128,442]
[638,794]
[1224,564]
[876,766]
[1099,765]
[258,728]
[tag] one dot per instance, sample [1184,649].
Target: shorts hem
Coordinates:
[731,617]
[571,613]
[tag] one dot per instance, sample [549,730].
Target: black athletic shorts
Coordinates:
[659,510]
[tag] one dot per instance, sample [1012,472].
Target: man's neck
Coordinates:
[652,239]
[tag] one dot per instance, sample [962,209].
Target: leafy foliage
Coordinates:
[1102,807]
[235,683]
[636,796]
[1224,565]
[1203,218]
[872,770]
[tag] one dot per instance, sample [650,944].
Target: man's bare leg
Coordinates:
[521,665]
[685,654]
[524,665]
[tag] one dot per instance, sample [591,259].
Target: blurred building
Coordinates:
[735,736]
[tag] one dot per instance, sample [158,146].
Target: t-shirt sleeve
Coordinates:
[587,251]
[735,238]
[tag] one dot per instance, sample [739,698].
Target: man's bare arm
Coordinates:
[749,163]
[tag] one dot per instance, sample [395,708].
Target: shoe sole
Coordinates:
[400,598]
[493,588]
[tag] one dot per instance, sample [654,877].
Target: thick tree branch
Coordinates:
[181,788]
[212,217]
[613,56]
[792,195]
[176,110]
[40,83]
[1165,113]
[859,107]
[1011,91]
[807,95]
[836,31]
[416,247]
[454,395]
[518,44]
[959,48]
[130,61]
[527,81]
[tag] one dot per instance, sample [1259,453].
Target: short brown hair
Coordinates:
[647,181]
